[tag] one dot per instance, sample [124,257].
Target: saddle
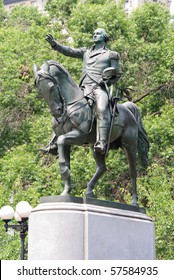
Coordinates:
[81,115]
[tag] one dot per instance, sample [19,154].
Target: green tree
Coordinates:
[145,43]
[60,9]
[152,22]
[2,12]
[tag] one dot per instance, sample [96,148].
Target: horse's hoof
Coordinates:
[135,203]
[89,195]
[64,193]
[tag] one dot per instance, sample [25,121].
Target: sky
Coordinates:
[172,8]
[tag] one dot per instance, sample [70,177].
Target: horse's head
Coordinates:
[48,87]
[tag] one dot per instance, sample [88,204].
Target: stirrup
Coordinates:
[50,149]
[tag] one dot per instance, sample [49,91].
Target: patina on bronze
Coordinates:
[95,85]
[74,123]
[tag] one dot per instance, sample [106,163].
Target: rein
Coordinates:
[45,75]
[62,119]
[41,75]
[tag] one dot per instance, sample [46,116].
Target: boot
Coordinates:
[100,145]
[51,147]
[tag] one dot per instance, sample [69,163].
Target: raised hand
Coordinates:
[49,38]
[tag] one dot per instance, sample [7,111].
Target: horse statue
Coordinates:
[75,124]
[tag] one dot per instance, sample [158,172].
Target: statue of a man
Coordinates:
[96,59]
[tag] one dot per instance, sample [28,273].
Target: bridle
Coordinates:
[41,75]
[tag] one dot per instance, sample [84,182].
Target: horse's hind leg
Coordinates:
[131,155]
[100,169]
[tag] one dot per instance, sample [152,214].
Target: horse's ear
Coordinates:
[46,67]
[35,70]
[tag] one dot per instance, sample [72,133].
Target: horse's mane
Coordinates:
[63,70]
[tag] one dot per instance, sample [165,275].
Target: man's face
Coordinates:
[98,36]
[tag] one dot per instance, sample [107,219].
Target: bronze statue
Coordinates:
[75,123]
[95,86]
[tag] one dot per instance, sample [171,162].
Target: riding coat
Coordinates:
[94,63]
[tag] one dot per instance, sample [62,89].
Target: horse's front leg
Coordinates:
[63,142]
[64,165]
[100,170]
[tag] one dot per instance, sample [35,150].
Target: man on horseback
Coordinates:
[100,70]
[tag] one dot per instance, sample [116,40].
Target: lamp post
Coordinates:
[23,210]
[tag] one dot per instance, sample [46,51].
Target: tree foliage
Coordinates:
[145,43]
[152,22]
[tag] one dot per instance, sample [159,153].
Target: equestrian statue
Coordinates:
[88,114]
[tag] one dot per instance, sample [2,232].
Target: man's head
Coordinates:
[100,36]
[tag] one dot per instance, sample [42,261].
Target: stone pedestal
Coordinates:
[69,228]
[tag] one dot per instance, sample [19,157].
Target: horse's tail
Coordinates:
[143,142]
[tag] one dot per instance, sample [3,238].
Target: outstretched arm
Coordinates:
[68,51]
